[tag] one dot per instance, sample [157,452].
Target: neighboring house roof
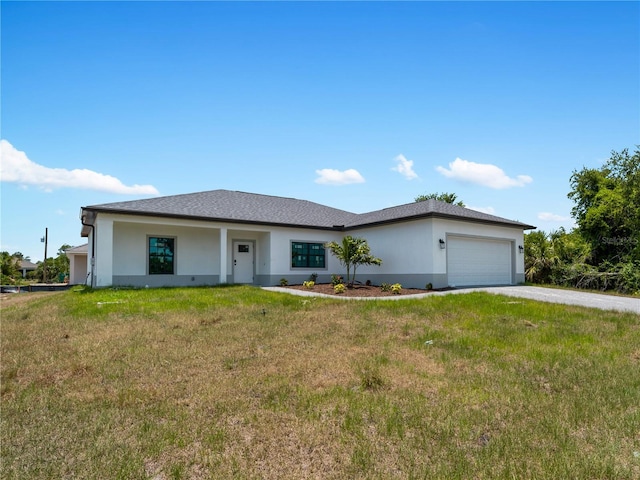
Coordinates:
[80,249]
[242,207]
[26,265]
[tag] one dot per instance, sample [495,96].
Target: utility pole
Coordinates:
[45,239]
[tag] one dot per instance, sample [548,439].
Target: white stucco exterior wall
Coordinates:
[281,239]
[103,268]
[197,249]
[404,248]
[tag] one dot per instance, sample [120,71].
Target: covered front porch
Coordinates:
[141,252]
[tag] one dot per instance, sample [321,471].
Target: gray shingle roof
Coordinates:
[27,265]
[434,208]
[225,205]
[241,207]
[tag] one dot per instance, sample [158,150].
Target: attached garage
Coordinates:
[477,261]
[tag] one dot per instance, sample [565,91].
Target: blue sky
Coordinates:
[360,105]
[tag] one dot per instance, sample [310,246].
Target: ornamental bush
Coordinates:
[352,252]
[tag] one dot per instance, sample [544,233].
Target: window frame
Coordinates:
[173,254]
[307,243]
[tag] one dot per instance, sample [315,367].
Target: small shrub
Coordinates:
[385,287]
[313,277]
[309,284]
[429,286]
[396,288]
[337,280]
[368,283]
[339,288]
[284,282]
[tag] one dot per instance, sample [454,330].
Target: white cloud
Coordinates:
[489,210]
[404,167]
[483,174]
[328,176]
[17,168]
[551,217]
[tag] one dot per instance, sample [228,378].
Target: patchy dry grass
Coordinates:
[237,382]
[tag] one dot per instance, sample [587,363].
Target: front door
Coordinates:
[242,262]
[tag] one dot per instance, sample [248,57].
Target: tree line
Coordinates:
[55,268]
[602,251]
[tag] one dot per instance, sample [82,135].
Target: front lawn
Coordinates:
[241,383]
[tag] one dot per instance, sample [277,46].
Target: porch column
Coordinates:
[103,268]
[223,255]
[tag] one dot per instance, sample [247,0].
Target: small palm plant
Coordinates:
[353,252]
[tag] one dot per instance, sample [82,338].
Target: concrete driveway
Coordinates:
[567,297]
[541,294]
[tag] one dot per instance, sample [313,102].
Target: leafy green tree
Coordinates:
[62,261]
[570,247]
[603,251]
[57,268]
[353,252]
[451,198]
[573,253]
[607,207]
[10,269]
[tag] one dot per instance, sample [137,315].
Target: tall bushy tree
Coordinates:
[607,207]
[10,268]
[353,252]
[570,247]
[603,251]
[443,197]
[56,267]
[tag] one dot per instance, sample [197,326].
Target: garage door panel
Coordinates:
[478,261]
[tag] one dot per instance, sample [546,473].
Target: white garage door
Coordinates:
[478,261]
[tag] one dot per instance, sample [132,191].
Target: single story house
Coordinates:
[26,266]
[224,236]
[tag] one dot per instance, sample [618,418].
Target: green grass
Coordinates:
[237,382]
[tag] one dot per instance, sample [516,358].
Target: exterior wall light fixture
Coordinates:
[442,244]
[520,248]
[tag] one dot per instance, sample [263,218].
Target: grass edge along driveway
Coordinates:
[543,294]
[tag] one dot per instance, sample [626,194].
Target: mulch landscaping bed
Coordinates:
[357,290]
